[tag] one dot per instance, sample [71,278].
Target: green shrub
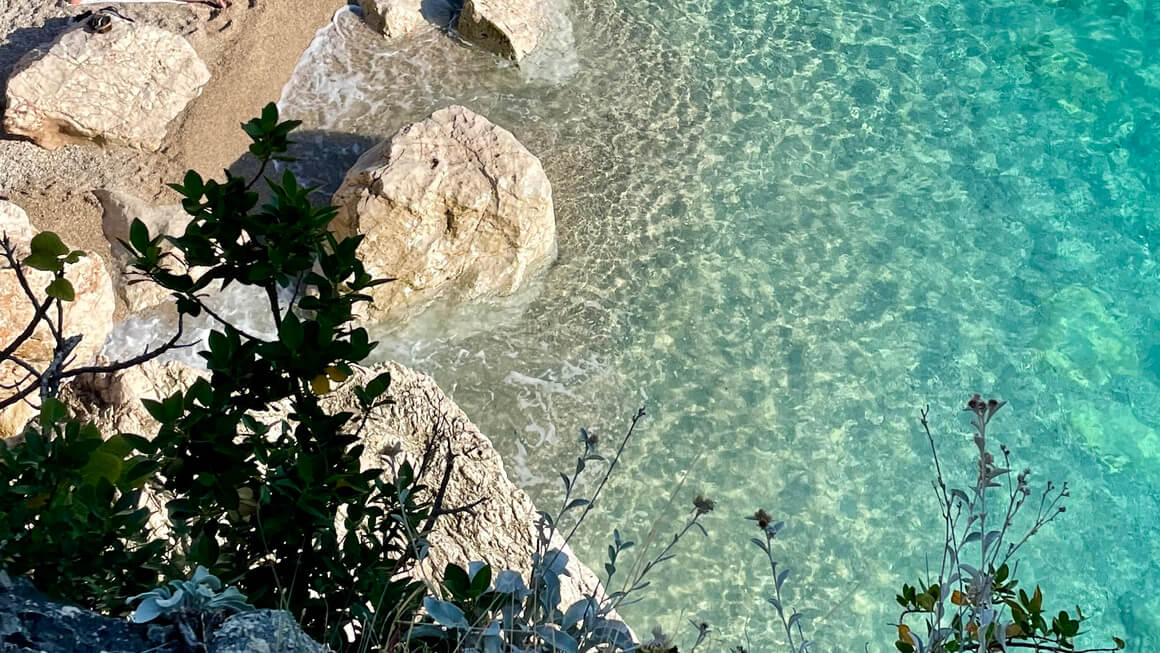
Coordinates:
[284,511]
[71,519]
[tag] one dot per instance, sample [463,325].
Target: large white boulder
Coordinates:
[394,18]
[90,315]
[453,207]
[122,86]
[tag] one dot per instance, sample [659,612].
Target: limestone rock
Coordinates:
[113,401]
[120,209]
[124,86]
[262,631]
[90,314]
[509,28]
[502,530]
[394,18]
[452,207]
[33,623]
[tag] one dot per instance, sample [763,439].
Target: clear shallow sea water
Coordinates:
[784,227]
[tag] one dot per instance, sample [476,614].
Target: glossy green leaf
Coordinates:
[61,289]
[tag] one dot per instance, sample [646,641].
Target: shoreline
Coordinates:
[251,50]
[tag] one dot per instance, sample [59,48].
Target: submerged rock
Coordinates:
[394,18]
[510,28]
[1083,340]
[124,86]
[90,314]
[453,207]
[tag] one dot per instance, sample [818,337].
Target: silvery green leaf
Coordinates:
[577,612]
[147,611]
[171,601]
[557,562]
[445,614]
[794,619]
[492,644]
[231,599]
[556,638]
[612,632]
[986,618]
[759,543]
[422,631]
[492,629]
[781,577]
[970,571]
[159,593]
[990,539]
[201,576]
[510,582]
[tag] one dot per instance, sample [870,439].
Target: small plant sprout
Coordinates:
[198,594]
[196,605]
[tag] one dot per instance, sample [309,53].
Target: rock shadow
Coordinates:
[442,13]
[323,157]
[19,43]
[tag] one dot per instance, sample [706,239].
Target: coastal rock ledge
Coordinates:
[501,531]
[453,207]
[123,86]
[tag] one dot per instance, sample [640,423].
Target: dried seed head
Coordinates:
[702,506]
[763,519]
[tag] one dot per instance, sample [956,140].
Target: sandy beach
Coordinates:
[250,48]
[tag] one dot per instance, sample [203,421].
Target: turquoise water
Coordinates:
[784,227]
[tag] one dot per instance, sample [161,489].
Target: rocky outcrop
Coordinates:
[452,207]
[501,531]
[510,28]
[90,314]
[32,623]
[394,18]
[124,86]
[120,209]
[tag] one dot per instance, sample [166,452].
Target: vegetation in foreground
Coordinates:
[281,514]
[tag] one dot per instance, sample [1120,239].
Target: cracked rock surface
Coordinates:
[124,86]
[452,207]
